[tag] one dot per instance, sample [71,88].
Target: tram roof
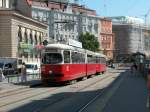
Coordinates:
[100,55]
[96,54]
[68,47]
[60,46]
[65,47]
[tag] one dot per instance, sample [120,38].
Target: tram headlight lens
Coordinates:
[50,72]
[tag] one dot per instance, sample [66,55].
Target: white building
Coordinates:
[127,20]
[88,23]
[65,24]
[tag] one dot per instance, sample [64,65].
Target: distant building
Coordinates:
[106,38]
[131,36]
[128,19]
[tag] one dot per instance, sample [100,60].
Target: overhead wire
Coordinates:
[132,6]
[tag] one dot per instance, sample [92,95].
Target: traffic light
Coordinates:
[45,42]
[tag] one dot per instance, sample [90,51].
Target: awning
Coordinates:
[39,47]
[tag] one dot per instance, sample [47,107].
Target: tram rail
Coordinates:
[48,91]
[71,95]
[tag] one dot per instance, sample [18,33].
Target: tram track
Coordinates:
[91,101]
[14,92]
[30,96]
[99,95]
[43,108]
[48,91]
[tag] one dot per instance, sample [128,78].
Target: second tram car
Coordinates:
[62,63]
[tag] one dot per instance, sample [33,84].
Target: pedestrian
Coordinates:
[23,73]
[148,86]
[133,68]
[2,77]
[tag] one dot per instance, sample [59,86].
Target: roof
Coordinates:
[17,14]
[67,47]
[60,46]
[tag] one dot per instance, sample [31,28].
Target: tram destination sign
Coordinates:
[75,43]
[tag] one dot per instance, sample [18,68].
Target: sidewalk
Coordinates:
[131,96]
[16,84]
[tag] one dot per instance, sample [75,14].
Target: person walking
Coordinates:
[23,73]
[148,86]
[133,68]
[2,77]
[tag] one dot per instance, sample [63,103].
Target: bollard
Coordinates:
[17,78]
[8,79]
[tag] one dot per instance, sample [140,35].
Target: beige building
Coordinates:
[20,36]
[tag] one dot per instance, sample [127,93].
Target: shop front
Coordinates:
[20,35]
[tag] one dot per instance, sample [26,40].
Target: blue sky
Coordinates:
[136,8]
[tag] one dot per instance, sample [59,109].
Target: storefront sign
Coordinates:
[26,46]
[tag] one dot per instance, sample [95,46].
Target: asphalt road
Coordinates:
[70,98]
[127,93]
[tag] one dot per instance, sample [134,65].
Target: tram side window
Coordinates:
[82,58]
[78,57]
[66,56]
[91,59]
[102,60]
[97,59]
[74,57]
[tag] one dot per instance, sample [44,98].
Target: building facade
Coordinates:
[107,38]
[59,5]
[131,36]
[66,21]
[20,35]
[88,23]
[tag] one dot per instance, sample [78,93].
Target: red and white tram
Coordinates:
[66,63]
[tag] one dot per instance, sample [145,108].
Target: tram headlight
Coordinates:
[50,72]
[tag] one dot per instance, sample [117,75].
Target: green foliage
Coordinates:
[89,41]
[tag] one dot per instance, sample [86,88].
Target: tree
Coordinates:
[89,41]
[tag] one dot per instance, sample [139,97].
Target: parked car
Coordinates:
[33,68]
[10,66]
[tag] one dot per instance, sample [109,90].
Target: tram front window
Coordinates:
[52,58]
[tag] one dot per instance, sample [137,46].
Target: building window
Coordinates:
[26,37]
[1,3]
[56,16]
[44,17]
[36,55]
[7,3]
[35,14]
[40,39]
[31,55]
[31,39]
[25,54]
[19,36]
[4,3]
[36,41]
[66,36]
